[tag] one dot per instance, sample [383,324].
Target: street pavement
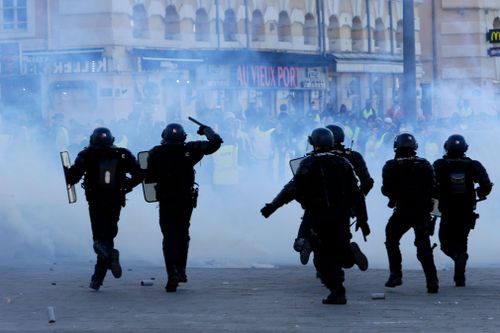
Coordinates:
[254,299]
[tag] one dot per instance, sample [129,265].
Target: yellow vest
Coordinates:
[226,165]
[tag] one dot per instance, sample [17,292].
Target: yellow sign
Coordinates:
[493,36]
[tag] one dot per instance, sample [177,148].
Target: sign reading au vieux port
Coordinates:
[280,77]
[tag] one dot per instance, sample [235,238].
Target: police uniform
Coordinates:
[171,167]
[105,169]
[326,187]
[456,176]
[408,182]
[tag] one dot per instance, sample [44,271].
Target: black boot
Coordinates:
[182,275]
[173,280]
[337,296]
[172,284]
[459,276]
[359,257]
[99,274]
[433,286]
[115,267]
[395,279]
[303,246]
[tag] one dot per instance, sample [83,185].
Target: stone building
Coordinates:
[104,59]
[455,56]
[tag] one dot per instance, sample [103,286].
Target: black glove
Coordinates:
[268,209]
[201,130]
[391,204]
[363,225]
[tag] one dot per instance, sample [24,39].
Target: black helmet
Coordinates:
[456,144]
[321,137]
[173,133]
[101,137]
[338,133]
[405,140]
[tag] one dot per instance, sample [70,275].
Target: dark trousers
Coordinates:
[175,216]
[330,238]
[454,231]
[400,223]
[104,217]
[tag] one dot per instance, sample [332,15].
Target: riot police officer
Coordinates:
[408,181]
[456,176]
[106,169]
[354,157]
[326,187]
[171,167]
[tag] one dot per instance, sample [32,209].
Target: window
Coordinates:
[379,34]
[357,35]
[172,23]
[333,33]
[258,29]
[202,26]
[14,15]
[310,30]
[399,34]
[230,26]
[496,23]
[140,24]
[284,27]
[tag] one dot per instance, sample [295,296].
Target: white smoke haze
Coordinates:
[227,229]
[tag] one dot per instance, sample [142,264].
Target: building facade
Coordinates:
[456,58]
[169,59]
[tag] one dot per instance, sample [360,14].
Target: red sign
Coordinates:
[267,76]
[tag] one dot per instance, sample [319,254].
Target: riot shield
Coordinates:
[294,164]
[148,189]
[66,163]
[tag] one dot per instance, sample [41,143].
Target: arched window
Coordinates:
[310,30]
[284,27]
[379,35]
[230,25]
[202,26]
[496,23]
[172,23]
[333,33]
[258,29]
[140,24]
[357,35]
[399,34]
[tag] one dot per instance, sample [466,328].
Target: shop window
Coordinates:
[172,23]
[258,29]
[14,15]
[66,96]
[140,22]
[496,23]
[399,34]
[202,26]
[357,35]
[333,33]
[284,27]
[379,35]
[310,30]
[230,26]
